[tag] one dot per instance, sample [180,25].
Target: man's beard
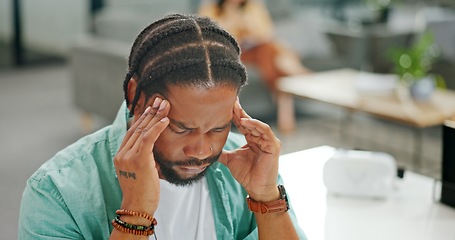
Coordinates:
[170,174]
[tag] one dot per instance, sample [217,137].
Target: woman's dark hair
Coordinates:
[185,50]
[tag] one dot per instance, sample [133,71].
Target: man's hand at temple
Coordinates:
[255,166]
[135,164]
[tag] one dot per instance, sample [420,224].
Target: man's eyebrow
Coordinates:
[179,124]
[224,126]
[182,125]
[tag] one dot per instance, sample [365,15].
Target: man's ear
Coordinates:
[132,87]
[131,91]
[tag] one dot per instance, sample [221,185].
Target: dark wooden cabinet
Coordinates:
[448,163]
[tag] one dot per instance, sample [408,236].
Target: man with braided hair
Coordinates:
[168,166]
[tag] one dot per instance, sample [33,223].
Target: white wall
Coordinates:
[48,25]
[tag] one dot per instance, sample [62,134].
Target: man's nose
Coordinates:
[199,148]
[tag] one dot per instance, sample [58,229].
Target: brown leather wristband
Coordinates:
[280,205]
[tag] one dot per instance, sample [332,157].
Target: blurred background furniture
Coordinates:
[370,93]
[411,212]
[373,94]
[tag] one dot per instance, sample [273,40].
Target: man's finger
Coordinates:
[257,128]
[238,114]
[149,138]
[134,127]
[139,124]
[139,129]
[155,127]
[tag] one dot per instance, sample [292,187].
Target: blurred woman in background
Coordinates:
[252,26]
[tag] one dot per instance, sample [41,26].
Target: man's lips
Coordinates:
[193,169]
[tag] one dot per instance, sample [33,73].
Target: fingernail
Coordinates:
[147,110]
[163,105]
[156,102]
[164,119]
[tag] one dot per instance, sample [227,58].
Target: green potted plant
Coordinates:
[413,65]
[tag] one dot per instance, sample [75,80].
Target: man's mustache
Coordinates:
[192,162]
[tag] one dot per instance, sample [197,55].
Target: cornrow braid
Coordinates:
[185,50]
[145,47]
[140,38]
[161,71]
[139,50]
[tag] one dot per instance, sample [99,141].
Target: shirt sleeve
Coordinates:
[44,215]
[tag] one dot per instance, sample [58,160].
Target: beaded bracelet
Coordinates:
[131,228]
[137,214]
[132,231]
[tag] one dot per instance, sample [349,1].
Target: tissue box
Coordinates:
[357,173]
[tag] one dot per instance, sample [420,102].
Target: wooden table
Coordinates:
[412,210]
[337,87]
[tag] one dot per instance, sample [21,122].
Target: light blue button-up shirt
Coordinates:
[75,194]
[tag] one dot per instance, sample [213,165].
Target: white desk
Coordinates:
[409,213]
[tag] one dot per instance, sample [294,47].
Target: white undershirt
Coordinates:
[184,212]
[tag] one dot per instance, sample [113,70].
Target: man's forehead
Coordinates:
[192,107]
